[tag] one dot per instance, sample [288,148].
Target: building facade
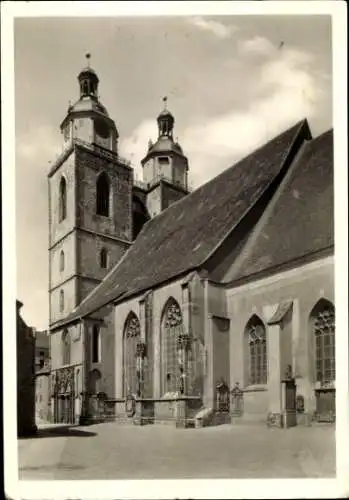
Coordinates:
[216,304]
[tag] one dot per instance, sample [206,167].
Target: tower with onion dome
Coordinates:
[165,167]
[90,201]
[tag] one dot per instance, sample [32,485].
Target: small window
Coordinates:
[103,259]
[95,344]
[164,160]
[62,199]
[61,301]
[85,87]
[61,261]
[102,195]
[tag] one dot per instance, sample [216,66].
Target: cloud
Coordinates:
[256,46]
[218,29]
[40,142]
[286,90]
[135,146]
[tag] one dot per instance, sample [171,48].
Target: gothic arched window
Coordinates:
[132,334]
[103,258]
[62,199]
[171,328]
[61,261]
[257,351]
[103,194]
[65,348]
[95,344]
[61,301]
[322,319]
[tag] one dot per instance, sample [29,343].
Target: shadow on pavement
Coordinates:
[59,431]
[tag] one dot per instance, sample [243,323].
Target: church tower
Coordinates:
[90,201]
[165,168]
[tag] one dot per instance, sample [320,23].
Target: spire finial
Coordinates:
[165,102]
[88,57]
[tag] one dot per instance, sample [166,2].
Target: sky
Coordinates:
[232,82]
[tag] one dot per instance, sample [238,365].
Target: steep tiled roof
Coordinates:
[185,235]
[301,221]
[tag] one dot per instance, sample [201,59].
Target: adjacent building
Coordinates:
[169,298]
[42,349]
[25,376]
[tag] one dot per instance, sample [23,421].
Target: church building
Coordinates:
[195,308]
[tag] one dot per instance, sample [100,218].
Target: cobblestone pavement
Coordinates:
[116,451]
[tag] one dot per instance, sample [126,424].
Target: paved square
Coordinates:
[116,451]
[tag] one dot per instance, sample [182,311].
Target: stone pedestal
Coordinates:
[139,413]
[144,412]
[236,404]
[288,403]
[181,413]
[274,418]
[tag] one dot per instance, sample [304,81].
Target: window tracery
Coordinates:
[172,327]
[324,331]
[132,334]
[257,351]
